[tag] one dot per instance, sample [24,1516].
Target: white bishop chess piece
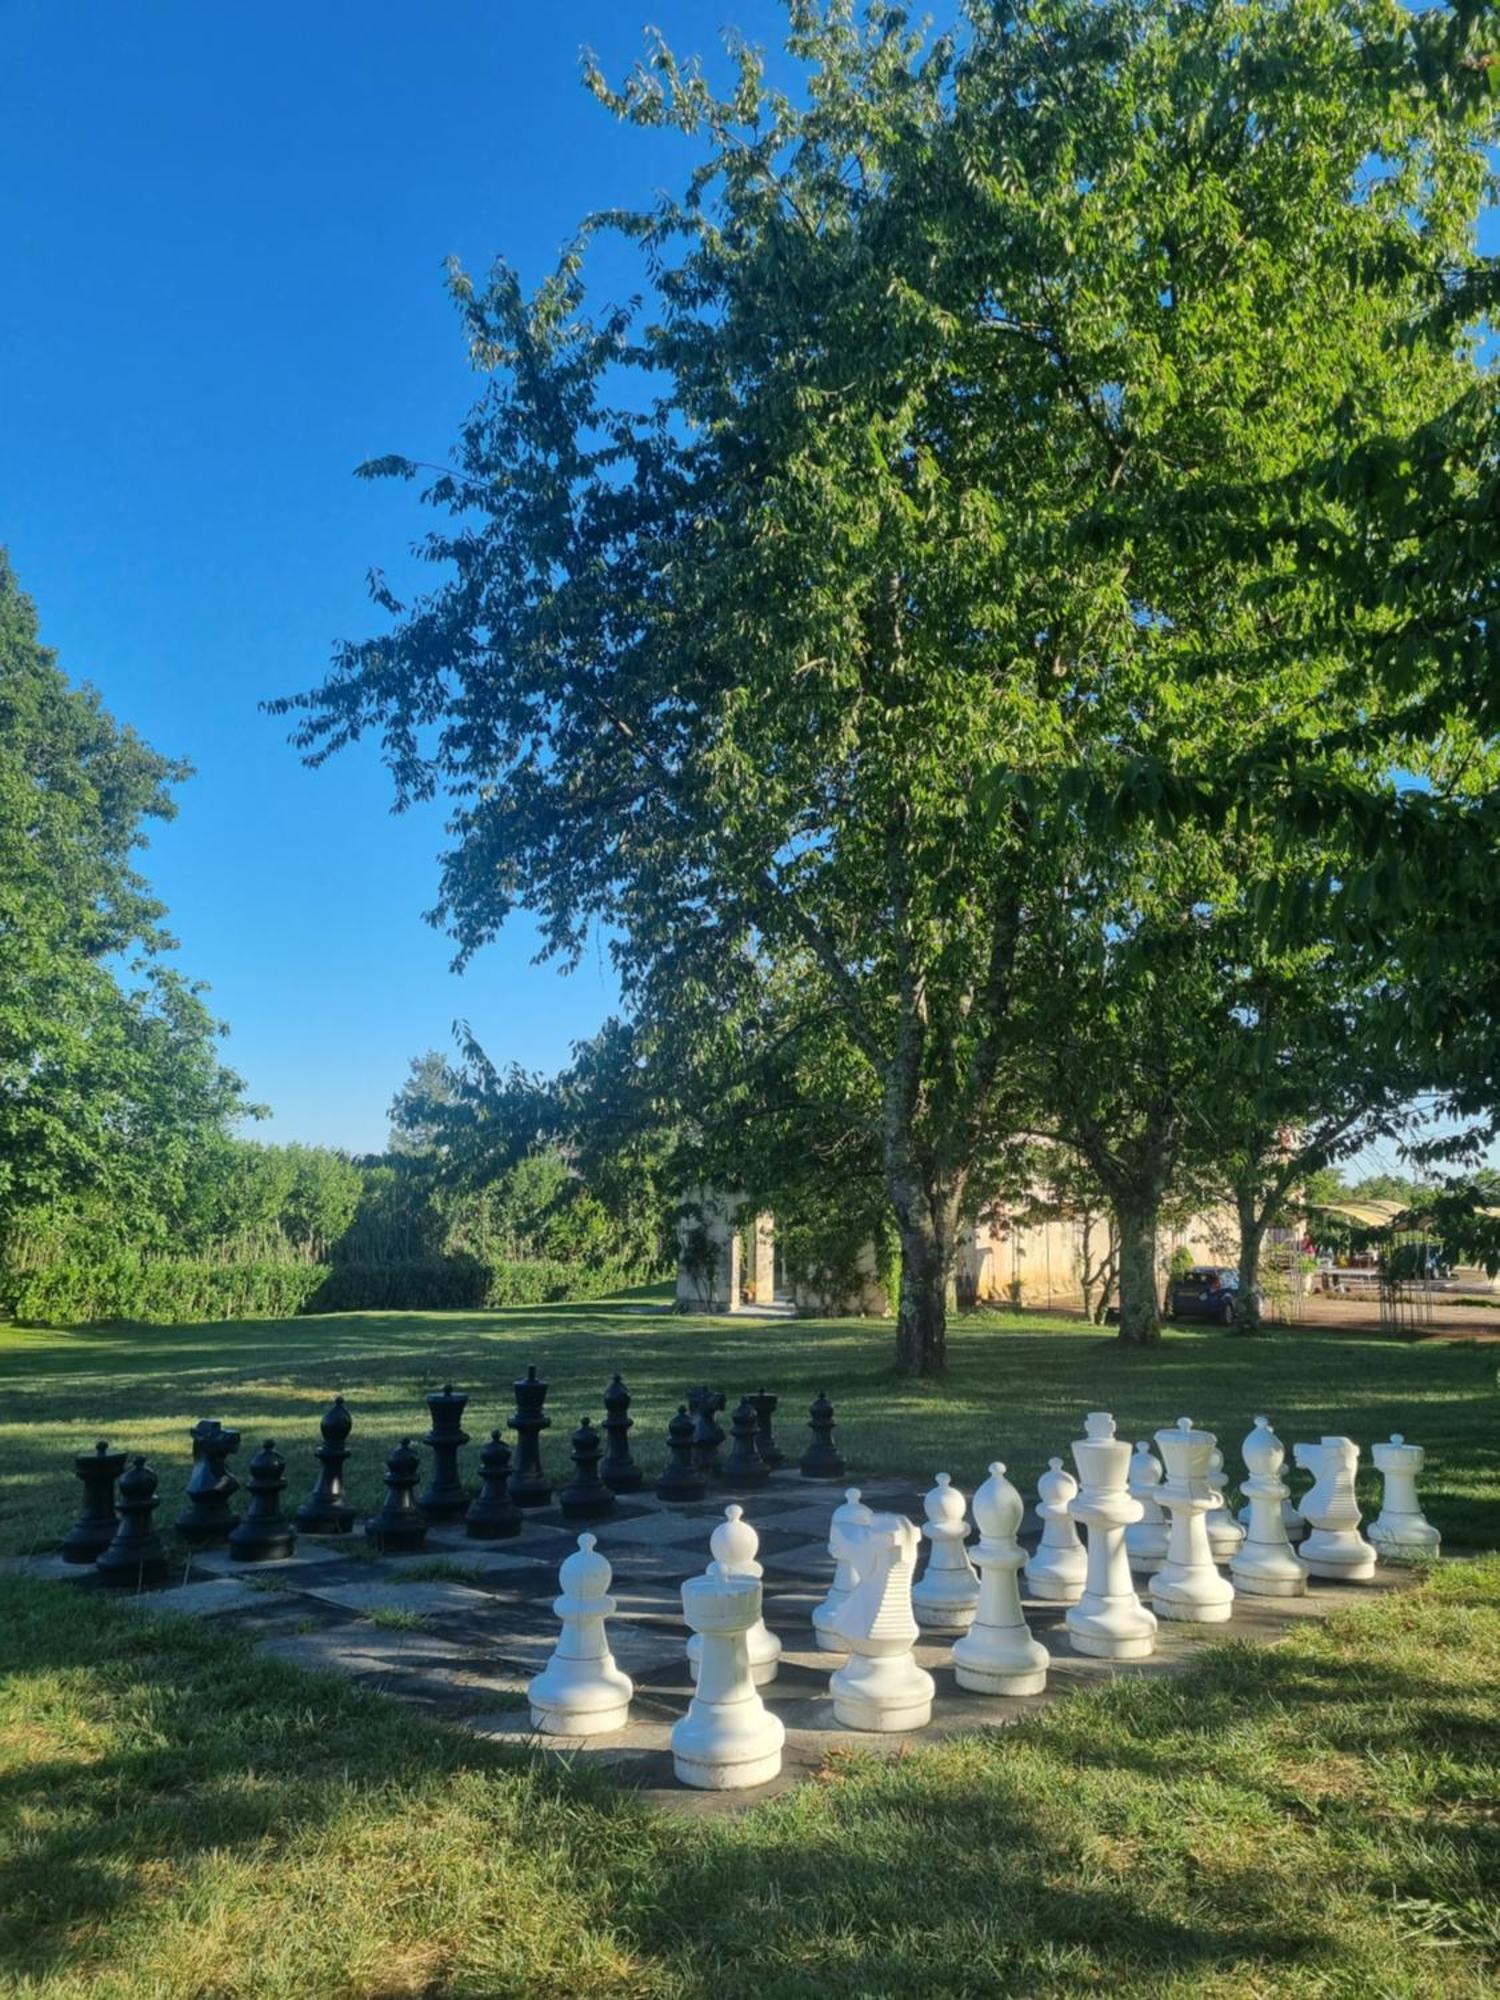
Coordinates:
[1188,1586]
[842,1537]
[997,1655]
[1224,1532]
[946,1597]
[1146,1539]
[1057,1566]
[1264,1565]
[880,1686]
[1109,1622]
[580,1691]
[728,1739]
[734,1545]
[1334,1548]
[1401,1532]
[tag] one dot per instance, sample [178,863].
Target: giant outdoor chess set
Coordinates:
[730,1621]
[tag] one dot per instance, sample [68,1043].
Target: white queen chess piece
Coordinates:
[728,1739]
[580,1691]
[734,1545]
[1334,1548]
[1401,1532]
[1188,1586]
[1224,1532]
[1146,1539]
[947,1595]
[997,1655]
[847,1519]
[1057,1566]
[1109,1622]
[1264,1565]
[880,1686]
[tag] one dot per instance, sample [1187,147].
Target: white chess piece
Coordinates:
[1334,1548]
[580,1691]
[880,1686]
[854,1514]
[1264,1565]
[948,1594]
[1057,1566]
[1109,1622]
[997,1655]
[734,1545]
[1401,1532]
[1146,1539]
[728,1739]
[1224,1532]
[1188,1586]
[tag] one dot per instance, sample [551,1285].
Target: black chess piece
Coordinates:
[265,1534]
[744,1465]
[586,1497]
[135,1558]
[765,1436]
[529,1484]
[708,1434]
[400,1526]
[445,1497]
[494,1514]
[326,1510]
[620,1471]
[821,1460]
[681,1480]
[211,1485]
[94,1530]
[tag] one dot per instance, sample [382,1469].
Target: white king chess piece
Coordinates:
[1401,1532]
[1109,1622]
[880,1685]
[842,1536]
[734,1545]
[1334,1548]
[1146,1539]
[997,1655]
[728,1739]
[1188,1586]
[1224,1532]
[1057,1566]
[580,1691]
[946,1597]
[1264,1565]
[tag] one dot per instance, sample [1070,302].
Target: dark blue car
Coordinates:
[1206,1292]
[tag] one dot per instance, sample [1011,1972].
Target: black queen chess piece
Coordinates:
[529,1484]
[744,1465]
[135,1558]
[620,1472]
[586,1497]
[708,1433]
[681,1479]
[445,1497]
[265,1534]
[400,1527]
[326,1510]
[494,1515]
[765,1436]
[207,1516]
[821,1460]
[94,1530]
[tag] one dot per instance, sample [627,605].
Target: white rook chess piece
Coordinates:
[1058,1565]
[1401,1532]
[853,1515]
[1224,1532]
[1334,1548]
[880,1685]
[1188,1587]
[1146,1539]
[734,1544]
[946,1598]
[1109,1622]
[997,1655]
[580,1691]
[1264,1565]
[728,1739]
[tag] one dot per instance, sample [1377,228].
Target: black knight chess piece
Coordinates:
[94,1530]
[494,1515]
[744,1465]
[529,1485]
[211,1486]
[586,1497]
[400,1526]
[326,1510]
[135,1558]
[681,1480]
[620,1471]
[445,1496]
[708,1433]
[265,1534]
[821,1460]
[765,1436]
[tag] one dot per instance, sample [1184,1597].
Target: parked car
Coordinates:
[1208,1291]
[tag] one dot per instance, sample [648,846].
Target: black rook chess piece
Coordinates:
[621,1473]
[400,1526]
[529,1485]
[765,1437]
[94,1530]
[744,1465]
[326,1510]
[445,1496]
[681,1480]
[708,1434]
[587,1497]
[135,1557]
[211,1485]
[265,1534]
[494,1514]
[821,1460]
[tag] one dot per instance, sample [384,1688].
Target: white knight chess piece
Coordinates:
[880,1686]
[1334,1548]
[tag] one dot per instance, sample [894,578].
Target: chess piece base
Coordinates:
[1098,1646]
[944,1617]
[491,1531]
[403,1542]
[575,1722]
[622,1482]
[713,1775]
[882,1695]
[1328,1571]
[271,1548]
[134,1573]
[1183,1611]
[1405,1545]
[324,1524]
[594,1508]
[1267,1586]
[1053,1589]
[979,1680]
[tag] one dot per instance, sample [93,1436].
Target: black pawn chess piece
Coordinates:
[494,1515]
[135,1558]
[265,1534]
[211,1485]
[400,1526]
[586,1497]
[821,1460]
[708,1433]
[94,1530]
[681,1480]
[765,1436]
[529,1484]
[621,1473]
[445,1497]
[744,1465]
[326,1510]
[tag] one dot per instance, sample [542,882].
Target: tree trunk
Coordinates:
[1140,1307]
[922,1320]
[1247,1315]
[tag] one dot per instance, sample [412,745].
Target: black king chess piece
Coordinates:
[765,1436]
[265,1534]
[586,1497]
[529,1485]
[211,1485]
[681,1479]
[821,1460]
[94,1530]
[326,1510]
[445,1497]
[135,1558]
[620,1471]
[400,1526]
[744,1465]
[494,1515]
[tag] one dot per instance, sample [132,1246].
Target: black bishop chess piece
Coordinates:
[529,1484]
[135,1558]
[822,1459]
[445,1497]
[708,1433]
[681,1480]
[494,1515]
[586,1497]
[326,1510]
[207,1517]
[400,1526]
[744,1465]
[620,1471]
[265,1534]
[94,1530]
[765,1437]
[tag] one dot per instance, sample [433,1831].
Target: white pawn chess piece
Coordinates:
[1188,1586]
[997,1655]
[1146,1539]
[1109,1622]
[1334,1548]
[1057,1566]
[1264,1565]
[580,1691]
[880,1686]
[734,1545]
[947,1596]
[853,1515]
[1401,1532]
[728,1739]
[1224,1532]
